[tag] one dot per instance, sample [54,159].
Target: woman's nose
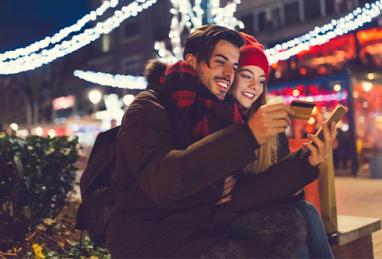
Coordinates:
[253,85]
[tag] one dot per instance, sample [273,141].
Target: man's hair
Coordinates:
[201,42]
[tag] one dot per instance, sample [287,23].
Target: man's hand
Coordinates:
[270,120]
[321,149]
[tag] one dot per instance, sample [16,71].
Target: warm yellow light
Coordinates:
[355,94]
[337,87]
[51,133]
[311,120]
[367,86]
[95,96]
[128,98]
[14,126]
[370,76]
[38,131]
[296,92]
[315,110]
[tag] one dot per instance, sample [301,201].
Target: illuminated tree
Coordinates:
[190,14]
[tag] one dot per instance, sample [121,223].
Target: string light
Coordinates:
[187,16]
[339,96]
[225,15]
[190,17]
[76,42]
[323,34]
[105,79]
[63,33]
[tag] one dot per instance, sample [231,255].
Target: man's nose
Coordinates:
[229,71]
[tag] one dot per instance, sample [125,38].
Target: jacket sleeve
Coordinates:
[273,185]
[146,141]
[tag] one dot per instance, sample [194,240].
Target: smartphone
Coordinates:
[303,109]
[334,116]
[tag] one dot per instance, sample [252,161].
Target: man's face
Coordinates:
[219,74]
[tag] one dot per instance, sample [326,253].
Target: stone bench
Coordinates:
[354,237]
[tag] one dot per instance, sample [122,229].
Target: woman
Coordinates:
[249,89]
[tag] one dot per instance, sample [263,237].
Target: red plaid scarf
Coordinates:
[202,110]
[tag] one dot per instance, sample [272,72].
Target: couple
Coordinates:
[184,180]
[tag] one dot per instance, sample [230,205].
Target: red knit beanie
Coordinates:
[252,54]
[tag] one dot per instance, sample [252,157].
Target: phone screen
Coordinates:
[335,116]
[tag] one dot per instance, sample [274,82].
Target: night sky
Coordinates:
[23,22]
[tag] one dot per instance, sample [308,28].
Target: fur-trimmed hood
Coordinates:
[153,72]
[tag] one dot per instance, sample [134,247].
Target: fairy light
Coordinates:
[338,96]
[36,55]
[118,80]
[76,42]
[337,87]
[321,35]
[63,33]
[225,15]
[187,16]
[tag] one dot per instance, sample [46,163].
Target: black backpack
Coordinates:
[96,192]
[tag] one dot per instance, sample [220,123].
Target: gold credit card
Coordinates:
[303,109]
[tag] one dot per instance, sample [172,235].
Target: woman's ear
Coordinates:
[191,60]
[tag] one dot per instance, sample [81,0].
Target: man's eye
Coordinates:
[262,82]
[221,62]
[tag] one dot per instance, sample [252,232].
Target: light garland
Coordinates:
[323,34]
[76,42]
[283,51]
[339,96]
[184,16]
[105,79]
[224,16]
[63,33]
[189,16]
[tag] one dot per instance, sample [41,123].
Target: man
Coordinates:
[175,149]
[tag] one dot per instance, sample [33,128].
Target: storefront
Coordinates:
[343,71]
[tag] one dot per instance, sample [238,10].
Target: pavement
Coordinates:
[361,196]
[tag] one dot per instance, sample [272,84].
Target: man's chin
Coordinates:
[221,96]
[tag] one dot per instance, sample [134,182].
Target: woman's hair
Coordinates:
[267,153]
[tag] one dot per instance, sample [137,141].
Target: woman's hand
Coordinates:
[269,121]
[320,150]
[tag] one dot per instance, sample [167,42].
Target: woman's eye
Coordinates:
[221,62]
[246,76]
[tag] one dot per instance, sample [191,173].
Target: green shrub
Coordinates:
[36,175]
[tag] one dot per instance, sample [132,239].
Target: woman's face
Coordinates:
[249,85]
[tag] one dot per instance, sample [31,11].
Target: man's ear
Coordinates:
[191,60]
